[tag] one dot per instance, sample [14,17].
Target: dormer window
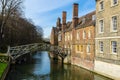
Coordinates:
[83,20]
[93,17]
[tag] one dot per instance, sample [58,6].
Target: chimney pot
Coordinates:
[64,17]
[75,10]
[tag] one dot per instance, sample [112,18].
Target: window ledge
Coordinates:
[114,5]
[101,52]
[101,10]
[113,31]
[114,54]
[101,32]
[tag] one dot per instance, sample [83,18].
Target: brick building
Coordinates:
[84,41]
[54,36]
[78,35]
[94,39]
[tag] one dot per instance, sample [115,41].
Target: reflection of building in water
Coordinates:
[68,72]
[77,35]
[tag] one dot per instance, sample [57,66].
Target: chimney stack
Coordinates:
[75,14]
[63,20]
[58,23]
[64,17]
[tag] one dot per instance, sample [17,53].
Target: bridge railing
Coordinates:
[17,51]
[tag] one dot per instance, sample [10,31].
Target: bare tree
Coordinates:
[7,8]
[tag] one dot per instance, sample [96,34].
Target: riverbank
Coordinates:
[4,66]
[95,72]
[104,69]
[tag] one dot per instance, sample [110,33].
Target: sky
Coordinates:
[44,13]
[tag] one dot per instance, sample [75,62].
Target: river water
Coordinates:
[40,67]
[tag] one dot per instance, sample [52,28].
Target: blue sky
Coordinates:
[44,13]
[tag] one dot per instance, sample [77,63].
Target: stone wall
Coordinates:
[107,69]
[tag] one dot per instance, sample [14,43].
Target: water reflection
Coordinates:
[42,68]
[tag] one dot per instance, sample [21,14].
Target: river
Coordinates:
[41,67]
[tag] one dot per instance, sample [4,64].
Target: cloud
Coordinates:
[40,6]
[45,12]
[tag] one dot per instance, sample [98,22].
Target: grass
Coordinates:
[2,68]
[3,64]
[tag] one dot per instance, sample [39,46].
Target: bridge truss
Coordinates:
[17,51]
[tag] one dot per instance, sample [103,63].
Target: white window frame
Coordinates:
[78,35]
[113,46]
[88,48]
[68,37]
[65,46]
[100,27]
[59,37]
[84,34]
[112,27]
[71,35]
[100,8]
[112,3]
[89,34]
[101,46]
[83,20]
[65,37]
[71,47]
[93,17]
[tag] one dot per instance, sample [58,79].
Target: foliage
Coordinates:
[3,58]
[14,28]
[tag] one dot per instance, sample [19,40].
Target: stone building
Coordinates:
[107,41]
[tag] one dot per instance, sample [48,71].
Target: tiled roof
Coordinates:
[86,20]
[68,26]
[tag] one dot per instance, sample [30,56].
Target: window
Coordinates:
[84,34]
[114,46]
[101,47]
[101,6]
[71,36]
[77,47]
[81,48]
[68,36]
[114,23]
[59,37]
[65,46]
[101,26]
[83,20]
[114,2]
[88,48]
[93,17]
[78,37]
[65,37]
[71,47]
[89,34]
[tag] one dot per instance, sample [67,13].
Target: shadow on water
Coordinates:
[40,67]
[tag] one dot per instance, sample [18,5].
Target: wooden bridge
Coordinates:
[17,51]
